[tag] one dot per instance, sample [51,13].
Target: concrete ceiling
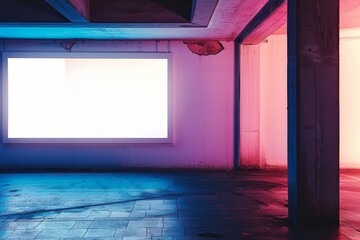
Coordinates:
[126,19]
[349,16]
[144,19]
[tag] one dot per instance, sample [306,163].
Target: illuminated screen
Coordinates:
[86,98]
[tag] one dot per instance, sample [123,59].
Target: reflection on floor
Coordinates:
[161,205]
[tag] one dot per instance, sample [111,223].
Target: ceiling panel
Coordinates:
[141,11]
[28,11]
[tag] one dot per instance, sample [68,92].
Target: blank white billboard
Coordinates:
[87,98]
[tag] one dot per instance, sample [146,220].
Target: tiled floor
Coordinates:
[161,205]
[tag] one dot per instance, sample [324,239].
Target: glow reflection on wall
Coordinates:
[350,100]
[273,112]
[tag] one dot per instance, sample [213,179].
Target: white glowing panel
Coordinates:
[62,99]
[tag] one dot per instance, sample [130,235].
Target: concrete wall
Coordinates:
[202,114]
[249,106]
[273,100]
[263,120]
[350,100]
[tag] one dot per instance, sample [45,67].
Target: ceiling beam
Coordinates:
[77,11]
[276,20]
[273,9]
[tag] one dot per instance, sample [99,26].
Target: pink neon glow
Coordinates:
[349,99]
[273,112]
[87,98]
[273,101]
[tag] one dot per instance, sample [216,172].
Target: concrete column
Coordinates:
[313,111]
[249,106]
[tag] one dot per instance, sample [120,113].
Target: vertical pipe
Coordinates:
[236,104]
[292,114]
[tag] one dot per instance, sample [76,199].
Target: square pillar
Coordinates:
[313,111]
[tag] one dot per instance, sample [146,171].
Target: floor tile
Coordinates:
[105,232]
[154,205]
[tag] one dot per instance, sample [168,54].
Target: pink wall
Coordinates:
[273,112]
[349,99]
[273,101]
[263,120]
[202,113]
[249,106]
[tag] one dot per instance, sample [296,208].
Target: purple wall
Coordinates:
[202,114]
